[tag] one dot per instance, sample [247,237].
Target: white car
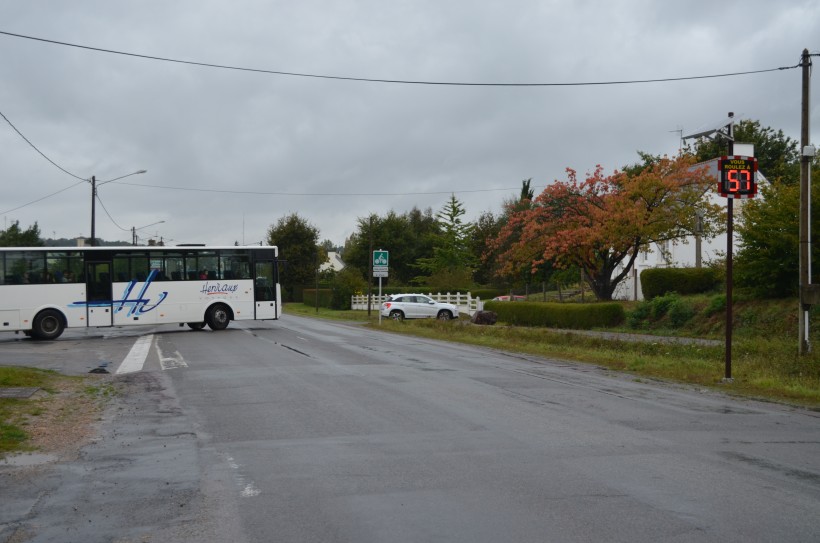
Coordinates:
[417,306]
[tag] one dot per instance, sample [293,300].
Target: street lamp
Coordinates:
[134,231]
[94,199]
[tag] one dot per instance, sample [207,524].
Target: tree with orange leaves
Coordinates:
[604,221]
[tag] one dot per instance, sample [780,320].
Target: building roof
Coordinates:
[334,262]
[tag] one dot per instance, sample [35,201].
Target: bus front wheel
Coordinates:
[48,324]
[218,317]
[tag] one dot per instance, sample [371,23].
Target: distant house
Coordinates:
[683,253]
[334,262]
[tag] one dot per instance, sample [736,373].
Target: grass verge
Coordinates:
[56,417]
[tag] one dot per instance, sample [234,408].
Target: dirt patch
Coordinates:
[62,417]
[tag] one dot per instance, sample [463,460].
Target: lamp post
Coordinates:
[94,185]
[134,231]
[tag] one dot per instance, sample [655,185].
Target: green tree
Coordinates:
[13,236]
[525,198]
[345,284]
[768,260]
[647,162]
[486,228]
[452,254]
[298,243]
[778,156]
[329,246]
[408,237]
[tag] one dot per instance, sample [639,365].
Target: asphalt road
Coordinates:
[303,430]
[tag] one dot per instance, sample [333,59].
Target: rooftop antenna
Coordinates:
[679,130]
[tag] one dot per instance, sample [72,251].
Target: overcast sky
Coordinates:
[229,152]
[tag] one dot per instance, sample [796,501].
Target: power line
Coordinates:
[39,151]
[334,194]
[321,76]
[82,180]
[109,215]
[392,81]
[43,198]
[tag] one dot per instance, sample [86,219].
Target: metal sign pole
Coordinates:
[727,377]
[381,261]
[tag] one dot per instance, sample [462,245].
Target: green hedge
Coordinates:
[557,315]
[487,294]
[309,297]
[659,281]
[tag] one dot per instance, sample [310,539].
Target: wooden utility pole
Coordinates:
[807,294]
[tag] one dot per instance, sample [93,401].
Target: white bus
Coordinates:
[44,290]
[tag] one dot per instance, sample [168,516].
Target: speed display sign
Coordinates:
[737,176]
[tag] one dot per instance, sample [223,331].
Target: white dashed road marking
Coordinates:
[171,362]
[135,359]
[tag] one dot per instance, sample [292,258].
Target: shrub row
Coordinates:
[309,297]
[670,307]
[556,315]
[659,281]
[486,293]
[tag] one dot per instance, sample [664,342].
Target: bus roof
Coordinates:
[142,248]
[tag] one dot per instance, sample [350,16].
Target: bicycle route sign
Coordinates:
[380,263]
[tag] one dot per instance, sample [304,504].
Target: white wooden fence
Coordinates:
[464,301]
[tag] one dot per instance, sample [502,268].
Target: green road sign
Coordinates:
[380,259]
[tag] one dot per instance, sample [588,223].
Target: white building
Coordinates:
[334,262]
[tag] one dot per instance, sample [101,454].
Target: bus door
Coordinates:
[264,289]
[98,293]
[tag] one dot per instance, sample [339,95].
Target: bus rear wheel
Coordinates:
[196,325]
[218,317]
[48,324]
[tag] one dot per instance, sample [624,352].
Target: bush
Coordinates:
[556,315]
[680,312]
[637,317]
[671,306]
[661,304]
[716,305]
[309,297]
[659,281]
[345,284]
[487,293]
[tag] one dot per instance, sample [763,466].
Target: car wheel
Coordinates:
[218,317]
[48,324]
[196,325]
[444,315]
[397,315]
